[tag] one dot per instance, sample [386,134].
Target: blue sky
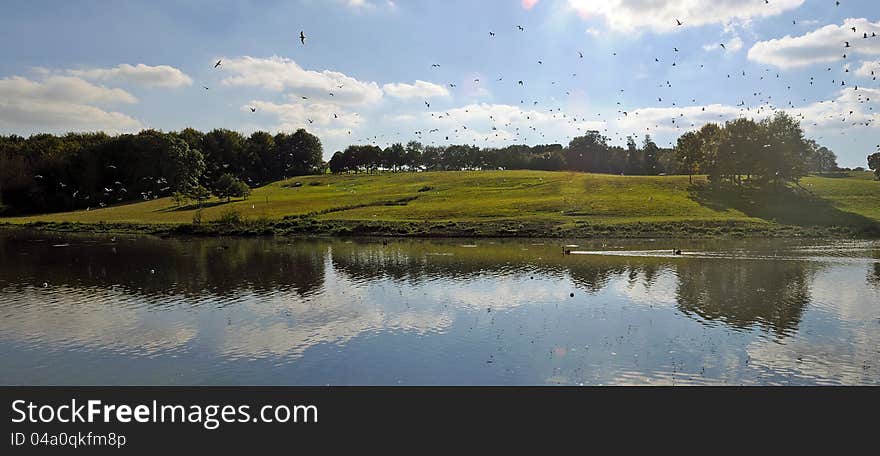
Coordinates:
[123,66]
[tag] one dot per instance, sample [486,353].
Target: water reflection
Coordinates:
[80,309]
[772,294]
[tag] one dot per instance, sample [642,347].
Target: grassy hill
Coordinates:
[506,203]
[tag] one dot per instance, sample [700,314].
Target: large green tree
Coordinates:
[874,163]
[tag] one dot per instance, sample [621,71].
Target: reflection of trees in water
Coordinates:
[192,267]
[419,261]
[742,293]
[738,292]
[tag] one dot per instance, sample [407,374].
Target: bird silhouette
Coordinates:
[302,38]
[217,64]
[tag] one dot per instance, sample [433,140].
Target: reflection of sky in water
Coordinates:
[435,312]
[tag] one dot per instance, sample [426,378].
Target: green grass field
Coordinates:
[551,199]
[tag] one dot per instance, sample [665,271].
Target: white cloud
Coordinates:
[732,45]
[61,89]
[145,75]
[655,119]
[61,103]
[868,69]
[280,74]
[823,45]
[660,16]
[421,89]
[474,123]
[849,109]
[323,119]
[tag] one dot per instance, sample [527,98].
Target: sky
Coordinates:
[385,71]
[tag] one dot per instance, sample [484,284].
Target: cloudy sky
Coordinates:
[367,72]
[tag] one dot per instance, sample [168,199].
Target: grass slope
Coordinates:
[495,202]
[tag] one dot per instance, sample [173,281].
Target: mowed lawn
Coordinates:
[559,197]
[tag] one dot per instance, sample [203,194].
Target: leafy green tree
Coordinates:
[689,152]
[266,166]
[588,153]
[228,186]
[413,155]
[199,193]
[651,154]
[874,163]
[181,165]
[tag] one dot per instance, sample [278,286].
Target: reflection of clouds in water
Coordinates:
[842,291]
[821,360]
[348,309]
[287,325]
[498,293]
[837,342]
[660,292]
[94,318]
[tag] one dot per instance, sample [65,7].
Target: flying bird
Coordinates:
[302,37]
[217,64]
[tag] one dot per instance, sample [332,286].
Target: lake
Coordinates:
[139,310]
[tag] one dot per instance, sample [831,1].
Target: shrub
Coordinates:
[230,217]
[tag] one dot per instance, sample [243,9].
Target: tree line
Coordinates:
[588,153]
[770,151]
[83,170]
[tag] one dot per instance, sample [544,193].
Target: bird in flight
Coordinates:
[253,109]
[678,22]
[581,54]
[435,65]
[205,87]
[302,37]
[722,46]
[491,33]
[521,28]
[217,64]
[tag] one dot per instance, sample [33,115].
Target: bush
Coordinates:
[230,217]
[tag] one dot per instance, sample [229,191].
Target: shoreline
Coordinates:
[309,227]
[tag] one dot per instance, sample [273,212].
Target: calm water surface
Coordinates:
[82,309]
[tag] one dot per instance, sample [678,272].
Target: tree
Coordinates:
[413,155]
[394,156]
[820,159]
[874,163]
[181,165]
[588,153]
[650,152]
[199,193]
[228,186]
[300,153]
[633,157]
[689,152]
[785,151]
[260,147]
[222,150]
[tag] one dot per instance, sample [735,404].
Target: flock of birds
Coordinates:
[759,103]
